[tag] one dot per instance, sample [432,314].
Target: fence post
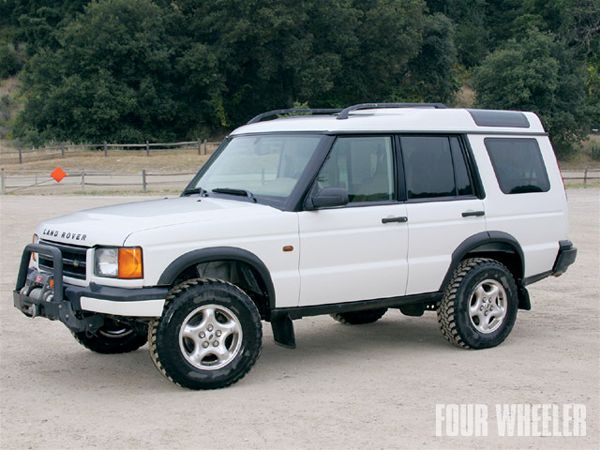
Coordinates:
[20,155]
[2,182]
[147,149]
[144,183]
[62,151]
[83,180]
[105,149]
[199,146]
[205,146]
[585,177]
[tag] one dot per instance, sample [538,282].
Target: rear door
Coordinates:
[525,195]
[356,252]
[442,202]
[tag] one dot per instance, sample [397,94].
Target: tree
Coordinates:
[537,73]
[9,61]
[470,30]
[109,79]
[431,76]
[322,53]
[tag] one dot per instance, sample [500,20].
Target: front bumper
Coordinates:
[79,308]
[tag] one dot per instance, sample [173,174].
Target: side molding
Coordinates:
[212,254]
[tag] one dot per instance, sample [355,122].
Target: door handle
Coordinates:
[473,213]
[400,219]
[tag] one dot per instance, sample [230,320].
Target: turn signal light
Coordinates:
[130,263]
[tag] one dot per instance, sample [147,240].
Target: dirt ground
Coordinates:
[372,386]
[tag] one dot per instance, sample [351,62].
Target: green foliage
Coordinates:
[431,75]
[120,70]
[143,70]
[471,33]
[9,61]
[110,78]
[537,73]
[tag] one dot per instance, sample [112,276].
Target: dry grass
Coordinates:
[9,86]
[583,158]
[118,161]
[465,97]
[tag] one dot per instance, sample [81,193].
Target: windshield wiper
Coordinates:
[238,192]
[196,190]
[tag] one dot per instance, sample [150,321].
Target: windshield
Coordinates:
[266,166]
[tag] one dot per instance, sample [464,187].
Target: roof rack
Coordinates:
[297,111]
[344,113]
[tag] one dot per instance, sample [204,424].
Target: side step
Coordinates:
[283,331]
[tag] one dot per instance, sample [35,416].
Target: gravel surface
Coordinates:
[370,386]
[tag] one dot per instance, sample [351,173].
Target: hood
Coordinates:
[110,225]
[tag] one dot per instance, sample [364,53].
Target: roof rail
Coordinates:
[297,111]
[346,112]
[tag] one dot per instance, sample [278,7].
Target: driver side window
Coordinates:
[364,166]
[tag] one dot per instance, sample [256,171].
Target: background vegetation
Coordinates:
[136,70]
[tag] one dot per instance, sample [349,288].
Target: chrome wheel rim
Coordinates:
[487,306]
[210,337]
[114,330]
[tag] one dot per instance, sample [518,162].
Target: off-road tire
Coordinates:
[359,317]
[453,311]
[108,341]
[163,333]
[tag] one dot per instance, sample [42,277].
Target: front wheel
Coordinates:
[479,307]
[208,337]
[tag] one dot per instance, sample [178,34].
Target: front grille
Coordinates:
[74,260]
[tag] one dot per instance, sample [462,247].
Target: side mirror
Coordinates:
[327,198]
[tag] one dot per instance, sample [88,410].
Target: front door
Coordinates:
[356,252]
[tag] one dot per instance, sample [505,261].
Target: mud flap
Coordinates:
[283,331]
[524,301]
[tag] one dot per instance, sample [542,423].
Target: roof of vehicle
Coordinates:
[406,119]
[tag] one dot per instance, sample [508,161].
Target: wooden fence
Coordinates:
[21,155]
[585,175]
[145,181]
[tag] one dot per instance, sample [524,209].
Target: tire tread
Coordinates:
[172,295]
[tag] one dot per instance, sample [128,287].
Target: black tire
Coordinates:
[113,337]
[169,353]
[359,317]
[459,325]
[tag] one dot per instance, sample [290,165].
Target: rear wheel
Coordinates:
[113,337]
[359,317]
[209,335]
[479,307]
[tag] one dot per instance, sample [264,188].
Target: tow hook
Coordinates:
[32,311]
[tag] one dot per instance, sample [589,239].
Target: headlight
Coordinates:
[119,262]
[107,262]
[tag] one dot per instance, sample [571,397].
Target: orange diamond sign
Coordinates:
[58,174]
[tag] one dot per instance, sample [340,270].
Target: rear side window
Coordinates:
[435,167]
[518,165]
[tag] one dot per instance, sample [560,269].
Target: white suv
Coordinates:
[343,212]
